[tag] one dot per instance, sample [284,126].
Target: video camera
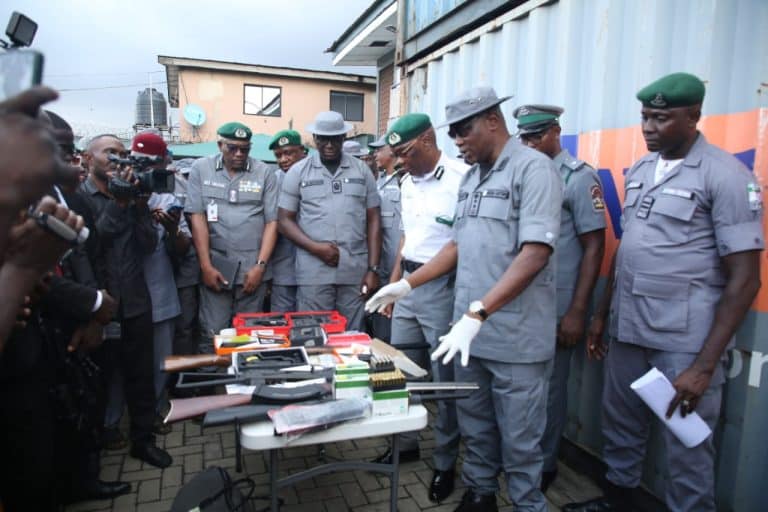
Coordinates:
[146,179]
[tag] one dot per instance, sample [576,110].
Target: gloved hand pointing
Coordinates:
[387,295]
[458,339]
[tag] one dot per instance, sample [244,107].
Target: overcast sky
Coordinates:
[100,54]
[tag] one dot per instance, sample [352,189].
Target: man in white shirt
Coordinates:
[428,196]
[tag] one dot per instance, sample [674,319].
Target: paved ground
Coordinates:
[193,450]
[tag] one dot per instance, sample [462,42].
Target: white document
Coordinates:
[656,391]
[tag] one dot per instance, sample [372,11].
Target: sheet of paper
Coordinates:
[656,391]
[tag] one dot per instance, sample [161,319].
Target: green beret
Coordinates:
[408,127]
[235,131]
[536,118]
[675,90]
[285,138]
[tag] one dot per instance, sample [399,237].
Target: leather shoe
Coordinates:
[97,490]
[547,477]
[405,456]
[441,486]
[151,454]
[101,490]
[473,502]
[601,504]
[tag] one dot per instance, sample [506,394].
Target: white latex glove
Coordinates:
[458,339]
[387,295]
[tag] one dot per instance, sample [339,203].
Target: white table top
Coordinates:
[261,435]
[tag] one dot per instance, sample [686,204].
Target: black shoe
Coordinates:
[441,486]
[472,502]
[547,477]
[405,456]
[151,454]
[601,504]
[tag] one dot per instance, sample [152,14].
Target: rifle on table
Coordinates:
[264,394]
[224,410]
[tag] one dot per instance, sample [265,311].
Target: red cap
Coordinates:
[149,144]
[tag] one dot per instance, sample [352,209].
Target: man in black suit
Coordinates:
[125,236]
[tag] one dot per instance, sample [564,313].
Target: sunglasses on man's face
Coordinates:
[234,148]
[533,138]
[462,129]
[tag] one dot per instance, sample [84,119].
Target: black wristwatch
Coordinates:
[373,268]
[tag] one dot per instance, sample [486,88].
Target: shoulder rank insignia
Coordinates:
[598,204]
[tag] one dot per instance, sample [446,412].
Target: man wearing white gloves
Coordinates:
[428,202]
[504,232]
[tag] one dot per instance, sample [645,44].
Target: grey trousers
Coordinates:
[557,407]
[422,317]
[216,310]
[163,337]
[502,424]
[283,298]
[626,421]
[344,298]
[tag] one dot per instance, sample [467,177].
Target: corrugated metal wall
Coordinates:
[591,56]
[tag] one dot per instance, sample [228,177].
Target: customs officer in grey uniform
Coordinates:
[506,225]
[288,149]
[683,278]
[388,186]
[580,251]
[232,199]
[429,194]
[329,208]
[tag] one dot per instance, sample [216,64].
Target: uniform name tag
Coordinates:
[634,184]
[212,212]
[678,192]
[645,207]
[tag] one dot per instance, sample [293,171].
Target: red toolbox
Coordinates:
[281,323]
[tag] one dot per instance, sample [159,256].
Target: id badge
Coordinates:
[212,212]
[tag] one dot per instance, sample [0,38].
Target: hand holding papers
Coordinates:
[656,391]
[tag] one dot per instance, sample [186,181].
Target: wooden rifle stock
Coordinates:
[184,408]
[190,362]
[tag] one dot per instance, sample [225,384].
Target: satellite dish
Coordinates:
[194,115]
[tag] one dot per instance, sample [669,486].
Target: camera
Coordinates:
[19,69]
[146,179]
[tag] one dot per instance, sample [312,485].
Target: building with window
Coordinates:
[210,93]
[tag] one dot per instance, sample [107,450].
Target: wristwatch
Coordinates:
[373,268]
[478,309]
[262,263]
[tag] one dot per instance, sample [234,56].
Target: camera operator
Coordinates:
[173,241]
[127,236]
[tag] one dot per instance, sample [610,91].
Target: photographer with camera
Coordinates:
[117,196]
[149,157]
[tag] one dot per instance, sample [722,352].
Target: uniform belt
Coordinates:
[410,266]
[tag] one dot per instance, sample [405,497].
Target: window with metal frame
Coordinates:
[262,100]
[348,104]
